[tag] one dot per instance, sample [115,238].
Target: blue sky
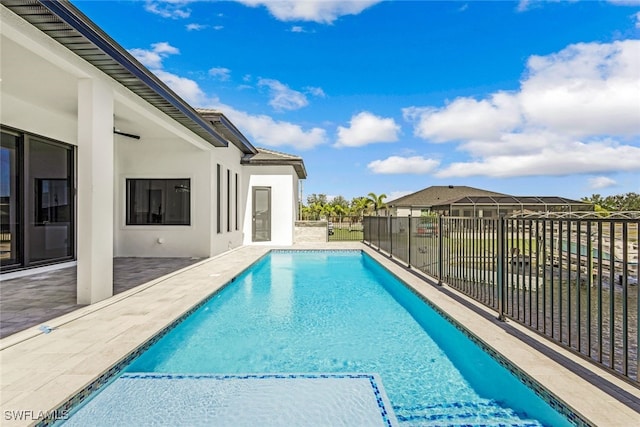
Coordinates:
[526,98]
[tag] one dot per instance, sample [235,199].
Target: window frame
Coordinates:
[228,200]
[236,202]
[128,214]
[219,198]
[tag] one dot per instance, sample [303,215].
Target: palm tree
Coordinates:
[328,211]
[377,201]
[316,210]
[340,211]
[358,207]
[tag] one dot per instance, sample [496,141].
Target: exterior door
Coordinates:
[261,230]
[37,202]
[10,197]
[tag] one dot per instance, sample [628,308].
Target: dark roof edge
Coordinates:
[398,201]
[247,147]
[238,139]
[81,23]
[298,164]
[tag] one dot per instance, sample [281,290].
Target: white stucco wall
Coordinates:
[229,159]
[284,188]
[174,159]
[23,115]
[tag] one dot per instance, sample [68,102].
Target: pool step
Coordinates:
[456,414]
[266,400]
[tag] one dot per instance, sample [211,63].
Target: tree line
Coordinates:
[617,203]
[319,206]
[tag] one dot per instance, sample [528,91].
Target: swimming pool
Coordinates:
[341,312]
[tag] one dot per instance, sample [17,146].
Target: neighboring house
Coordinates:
[473,202]
[422,202]
[100,159]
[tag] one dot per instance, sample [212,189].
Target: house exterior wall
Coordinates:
[228,159]
[162,159]
[79,105]
[404,211]
[283,182]
[25,115]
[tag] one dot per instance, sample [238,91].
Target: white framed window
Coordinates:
[158,201]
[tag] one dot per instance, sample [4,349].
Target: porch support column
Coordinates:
[95,191]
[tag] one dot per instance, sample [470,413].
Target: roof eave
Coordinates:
[298,165]
[77,21]
[229,130]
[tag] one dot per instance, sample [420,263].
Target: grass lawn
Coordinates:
[341,234]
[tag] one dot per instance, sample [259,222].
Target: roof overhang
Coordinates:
[64,23]
[295,162]
[224,126]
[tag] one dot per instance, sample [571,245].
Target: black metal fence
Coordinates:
[345,228]
[572,279]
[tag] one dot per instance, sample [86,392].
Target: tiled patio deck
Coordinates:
[38,372]
[32,300]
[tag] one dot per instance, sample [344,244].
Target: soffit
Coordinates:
[67,25]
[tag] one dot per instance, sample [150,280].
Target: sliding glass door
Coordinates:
[50,188]
[10,244]
[37,201]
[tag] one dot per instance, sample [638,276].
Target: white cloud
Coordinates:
[195,27]
[297,29]
[186,88]
[466,118]
[218,27]
[576,112]
[220,73]
[523,5]
[568,158]
[637,16]
[366,128]
[321,11]
[153,58]
[315,91]
[585,89]
[283,97]
[165,48]
[174,9]
[403,165]
[260,129]
[599,182]
[264,130]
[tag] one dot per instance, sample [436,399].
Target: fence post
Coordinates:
[409,241]
[378,224]
[390,234]
[500,267]
[440,249]
[365,227]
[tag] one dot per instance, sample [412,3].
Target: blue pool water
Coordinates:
[338,312]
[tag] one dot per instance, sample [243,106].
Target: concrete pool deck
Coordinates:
[40,371]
